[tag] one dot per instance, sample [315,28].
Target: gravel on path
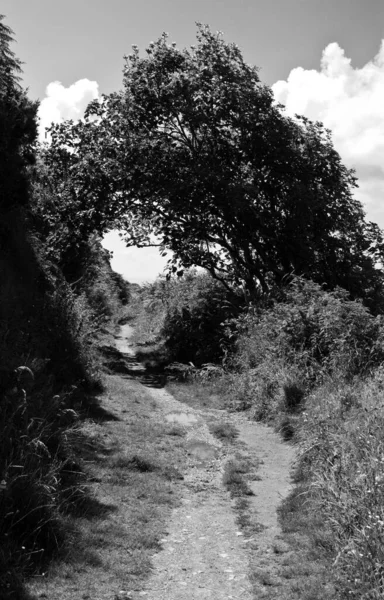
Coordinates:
[205,555]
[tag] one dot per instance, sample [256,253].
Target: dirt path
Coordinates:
[205,555]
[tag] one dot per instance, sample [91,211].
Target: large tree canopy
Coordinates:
[195,150]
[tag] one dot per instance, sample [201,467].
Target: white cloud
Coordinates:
[350,102]
[63,103]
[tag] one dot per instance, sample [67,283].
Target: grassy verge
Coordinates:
[199,394]
[234,477]
[342,462]
[299,566]
[305,564]
[333,521]
[48,380]
[135,465]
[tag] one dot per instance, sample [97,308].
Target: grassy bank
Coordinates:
[133,464]
[49,380]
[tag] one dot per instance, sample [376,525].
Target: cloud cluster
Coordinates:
[350,102]
[63,103]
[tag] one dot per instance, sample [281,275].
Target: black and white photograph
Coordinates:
[192,300]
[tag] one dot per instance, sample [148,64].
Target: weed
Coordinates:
[176,430]
[263,577]
[224,431]
[143,464]
[234,478]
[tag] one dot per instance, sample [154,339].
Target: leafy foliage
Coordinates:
[195,150]
[194,308]
[285,350]
[322,332]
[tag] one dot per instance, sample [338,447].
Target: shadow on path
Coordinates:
[128,366]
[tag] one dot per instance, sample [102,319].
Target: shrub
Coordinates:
[286,349]
[324,332]
[196,309]
[106,291]
[189,314]
[70,332]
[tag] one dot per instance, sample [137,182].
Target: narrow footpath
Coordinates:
[205,555]
[161,523]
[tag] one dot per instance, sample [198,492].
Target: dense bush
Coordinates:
[196,308]
[309,335]
[105,291]
[49,333]
[71,331]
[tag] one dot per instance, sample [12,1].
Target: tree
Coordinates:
[10,65]
[17,128]
[195,150]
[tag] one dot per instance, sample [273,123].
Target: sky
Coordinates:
[323,58]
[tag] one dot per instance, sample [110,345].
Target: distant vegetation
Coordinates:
[285,317]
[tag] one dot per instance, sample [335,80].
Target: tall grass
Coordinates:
[33,490]
[51,327]
[342,461]
[312,364]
